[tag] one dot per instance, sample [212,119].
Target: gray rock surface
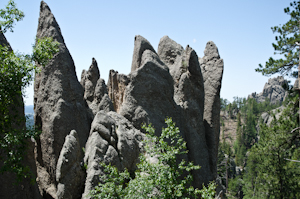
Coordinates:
[189,96]
[170,83]
[58,104]
[89,80]
[95,90]
[70,175]
[140,45]
[212,69]
[273,90]
[113,139]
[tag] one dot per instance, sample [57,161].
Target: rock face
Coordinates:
[69,171]
[113,139]
[273,90]
[170,83]
[106,120]
[212,69]
[95,90]
[58,104]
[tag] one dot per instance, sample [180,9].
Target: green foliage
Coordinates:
[167,178]
[235,187]
[268,173]
[9,15]
[285,45]
[16,73]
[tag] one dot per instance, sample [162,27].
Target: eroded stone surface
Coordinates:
[70,174]
[58,104]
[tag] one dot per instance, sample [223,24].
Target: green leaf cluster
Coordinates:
[9,15]
[167,178]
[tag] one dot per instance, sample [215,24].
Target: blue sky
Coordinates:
[105,30]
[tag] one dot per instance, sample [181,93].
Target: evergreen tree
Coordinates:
[285,45]
[269,173]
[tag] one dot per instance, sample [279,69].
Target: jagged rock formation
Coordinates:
[95,90]
[273,90]
[116,87]
[212,69]
[58,104]
[106,120]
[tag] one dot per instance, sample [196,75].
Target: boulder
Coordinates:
[70,175]
[58,104]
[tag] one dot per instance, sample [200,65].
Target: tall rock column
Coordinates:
[212,70]
[58,104]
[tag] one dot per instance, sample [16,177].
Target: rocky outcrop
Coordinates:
[113,139]
[58,104]
[273,90]
[140,45]
[116,88]
[70,173]
[95,90]
[212,69]
[107,120]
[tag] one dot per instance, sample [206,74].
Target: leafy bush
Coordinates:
[165,179]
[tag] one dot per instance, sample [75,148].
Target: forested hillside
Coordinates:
[257,146]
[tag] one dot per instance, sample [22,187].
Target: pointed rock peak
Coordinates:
[169,50]
[48,26]
[211,51]
[140,45]
[192,61]
[93,72]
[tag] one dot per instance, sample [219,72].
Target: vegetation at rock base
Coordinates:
[167,178]
[16,73]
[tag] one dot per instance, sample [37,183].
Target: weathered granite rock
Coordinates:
[58,104]
[169,83]
[89,80]
[189,96]
[95,90]
[212,69]
[70,175]
[9,188]
[113,139]
[116,88]
[140,45]
[273,90]
[148,96]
